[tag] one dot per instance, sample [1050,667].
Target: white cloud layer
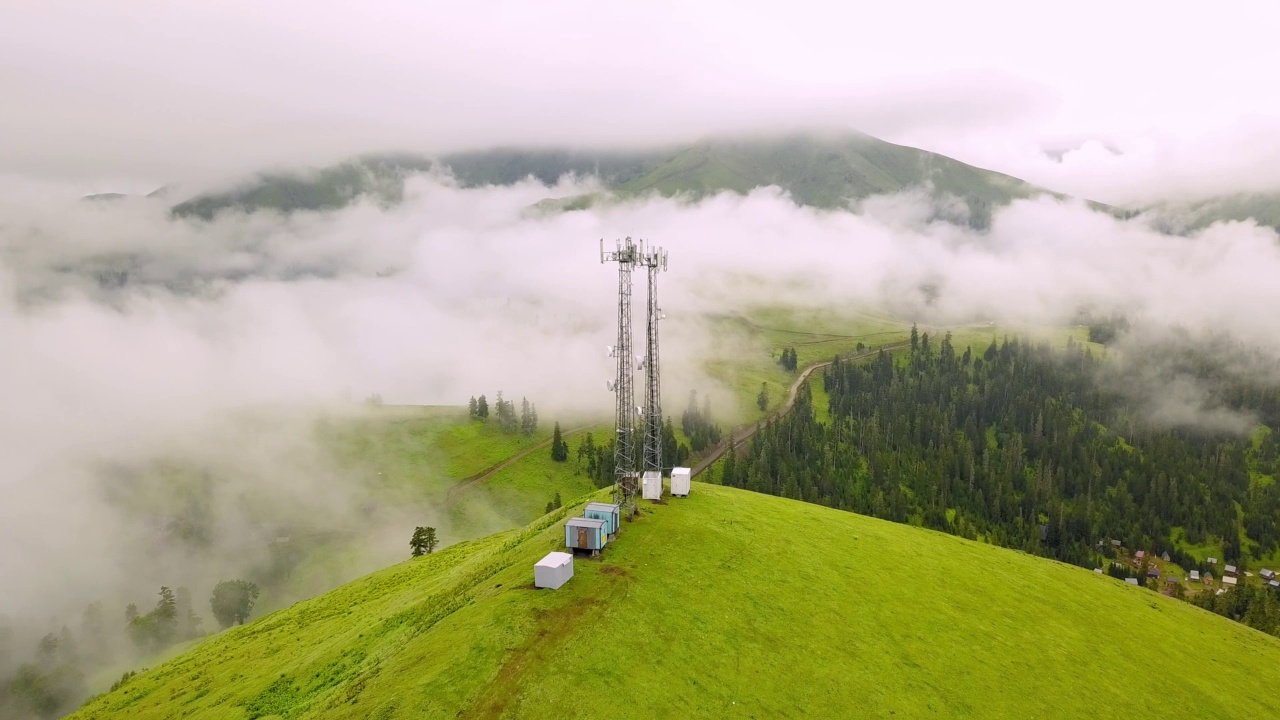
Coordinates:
[457,292]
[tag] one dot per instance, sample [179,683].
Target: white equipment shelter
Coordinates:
[680,480]
[553,570]
[651,483]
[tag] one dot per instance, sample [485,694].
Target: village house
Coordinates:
[1267,574]
[1165,556]
[1229,581]
[1208,578]
[1195,576]
[1140,555]
[1153,572]
[1229,569]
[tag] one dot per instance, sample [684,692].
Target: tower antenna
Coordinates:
[654,259]
[627,254]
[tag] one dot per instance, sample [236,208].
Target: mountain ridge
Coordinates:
[818,170]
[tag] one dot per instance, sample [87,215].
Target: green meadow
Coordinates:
[725,604]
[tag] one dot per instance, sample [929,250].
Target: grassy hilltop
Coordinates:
[727,604]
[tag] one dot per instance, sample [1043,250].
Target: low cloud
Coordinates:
[139,337]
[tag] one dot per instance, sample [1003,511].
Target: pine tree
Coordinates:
[472,407]
[915,338]
[559,448]
[526,420]
[418,543]
[586,451]
[729,473]
[762,400]
[482,408]
[430,538]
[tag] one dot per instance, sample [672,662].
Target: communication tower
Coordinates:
[627,254]
[654,259]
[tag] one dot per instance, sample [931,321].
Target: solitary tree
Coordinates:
[762,400]
[418,543]
[232,601]
[423,541]
[482,408]
[559,448]
[586,451]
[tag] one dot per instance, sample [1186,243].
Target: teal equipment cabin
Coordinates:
[608,512]
[585,533]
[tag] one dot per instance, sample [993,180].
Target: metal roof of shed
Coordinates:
[602,507]
[586,522]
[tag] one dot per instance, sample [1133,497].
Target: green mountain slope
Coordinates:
[823,171]
[378,177]
[818,170]
[727,604]
[1263,208]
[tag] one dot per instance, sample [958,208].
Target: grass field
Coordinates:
[519,493]
[727,604]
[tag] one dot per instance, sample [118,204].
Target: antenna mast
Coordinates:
[654,259]
[627,254]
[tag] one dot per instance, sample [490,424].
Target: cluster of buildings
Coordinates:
[1231,575]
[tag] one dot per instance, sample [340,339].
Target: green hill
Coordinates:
[823,170]
[819,170]
[1263,208]
[725,604]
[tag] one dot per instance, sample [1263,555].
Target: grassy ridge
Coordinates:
[819,170]
[728,604]
[822,171]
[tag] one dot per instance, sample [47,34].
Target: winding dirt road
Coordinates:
[743,433]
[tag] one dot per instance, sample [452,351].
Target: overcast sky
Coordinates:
[130,94]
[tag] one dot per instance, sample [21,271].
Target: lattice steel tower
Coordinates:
[627,255]
[654,259]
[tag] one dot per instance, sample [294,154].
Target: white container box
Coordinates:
[680,481]
[553,570]
[651,485]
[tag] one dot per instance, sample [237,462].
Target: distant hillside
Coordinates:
[822,171]
[725,604]
[1262,208]
[330,188]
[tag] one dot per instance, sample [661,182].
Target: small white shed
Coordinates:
[680,481]
[553,570]
[651,485]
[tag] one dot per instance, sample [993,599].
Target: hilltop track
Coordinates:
[456,491]
[742,433]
